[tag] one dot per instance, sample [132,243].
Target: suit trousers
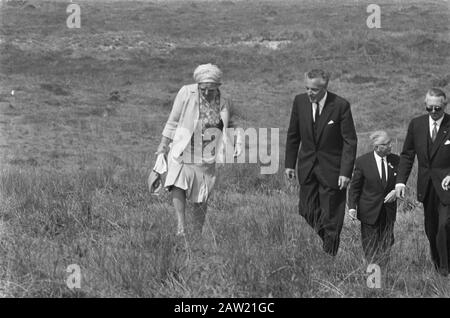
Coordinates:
[323,208]
[378,238]
[437,229]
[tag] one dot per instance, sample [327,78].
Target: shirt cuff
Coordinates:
[402,184]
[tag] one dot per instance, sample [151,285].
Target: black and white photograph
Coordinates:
[224,155]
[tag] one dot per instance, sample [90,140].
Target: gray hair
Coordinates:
[207,73]
[377,135]
[436,92]
[318,73]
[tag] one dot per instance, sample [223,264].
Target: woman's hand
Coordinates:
[162,148]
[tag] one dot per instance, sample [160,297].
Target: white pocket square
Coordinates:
[330,122]
[447,142]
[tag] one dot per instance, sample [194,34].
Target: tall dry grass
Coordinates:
[254,243]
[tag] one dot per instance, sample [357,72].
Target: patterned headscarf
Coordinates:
[207,73]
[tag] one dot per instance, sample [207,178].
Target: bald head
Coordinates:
[436,94]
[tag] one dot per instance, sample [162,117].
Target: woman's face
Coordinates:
[208,90]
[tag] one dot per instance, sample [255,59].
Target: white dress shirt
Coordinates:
[431,127]
[378,160]
[321,104]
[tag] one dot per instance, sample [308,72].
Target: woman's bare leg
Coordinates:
[199,212]
[179,202]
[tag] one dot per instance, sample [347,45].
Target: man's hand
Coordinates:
[343,182]
[290,173]
[446,183]
[390,197]
[400,190]
[352,214]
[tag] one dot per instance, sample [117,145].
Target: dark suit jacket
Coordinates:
[434,161]
[366,193]
[335,149]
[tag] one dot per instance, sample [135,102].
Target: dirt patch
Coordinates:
[269,44]
[227,3]
[55,89]
[256,43]
[106,46]
[361,79]
[30,7]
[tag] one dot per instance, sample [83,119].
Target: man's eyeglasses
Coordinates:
[436,108]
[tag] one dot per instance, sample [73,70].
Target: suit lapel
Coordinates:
[390,169]
[308,113]
[374,168]
[424,133]
[325,115]
[442,133]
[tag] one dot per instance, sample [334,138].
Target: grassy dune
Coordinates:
[77,140]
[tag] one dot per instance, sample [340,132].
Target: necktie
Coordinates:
[316,113]
[383,173]
[434,132]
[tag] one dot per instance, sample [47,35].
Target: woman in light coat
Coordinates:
[198,110]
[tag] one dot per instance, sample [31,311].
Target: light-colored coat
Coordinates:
[182,123]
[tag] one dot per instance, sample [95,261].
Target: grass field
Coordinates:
[78,137]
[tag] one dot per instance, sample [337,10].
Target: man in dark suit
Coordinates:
[322,122]
[428,138]
[372,198]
